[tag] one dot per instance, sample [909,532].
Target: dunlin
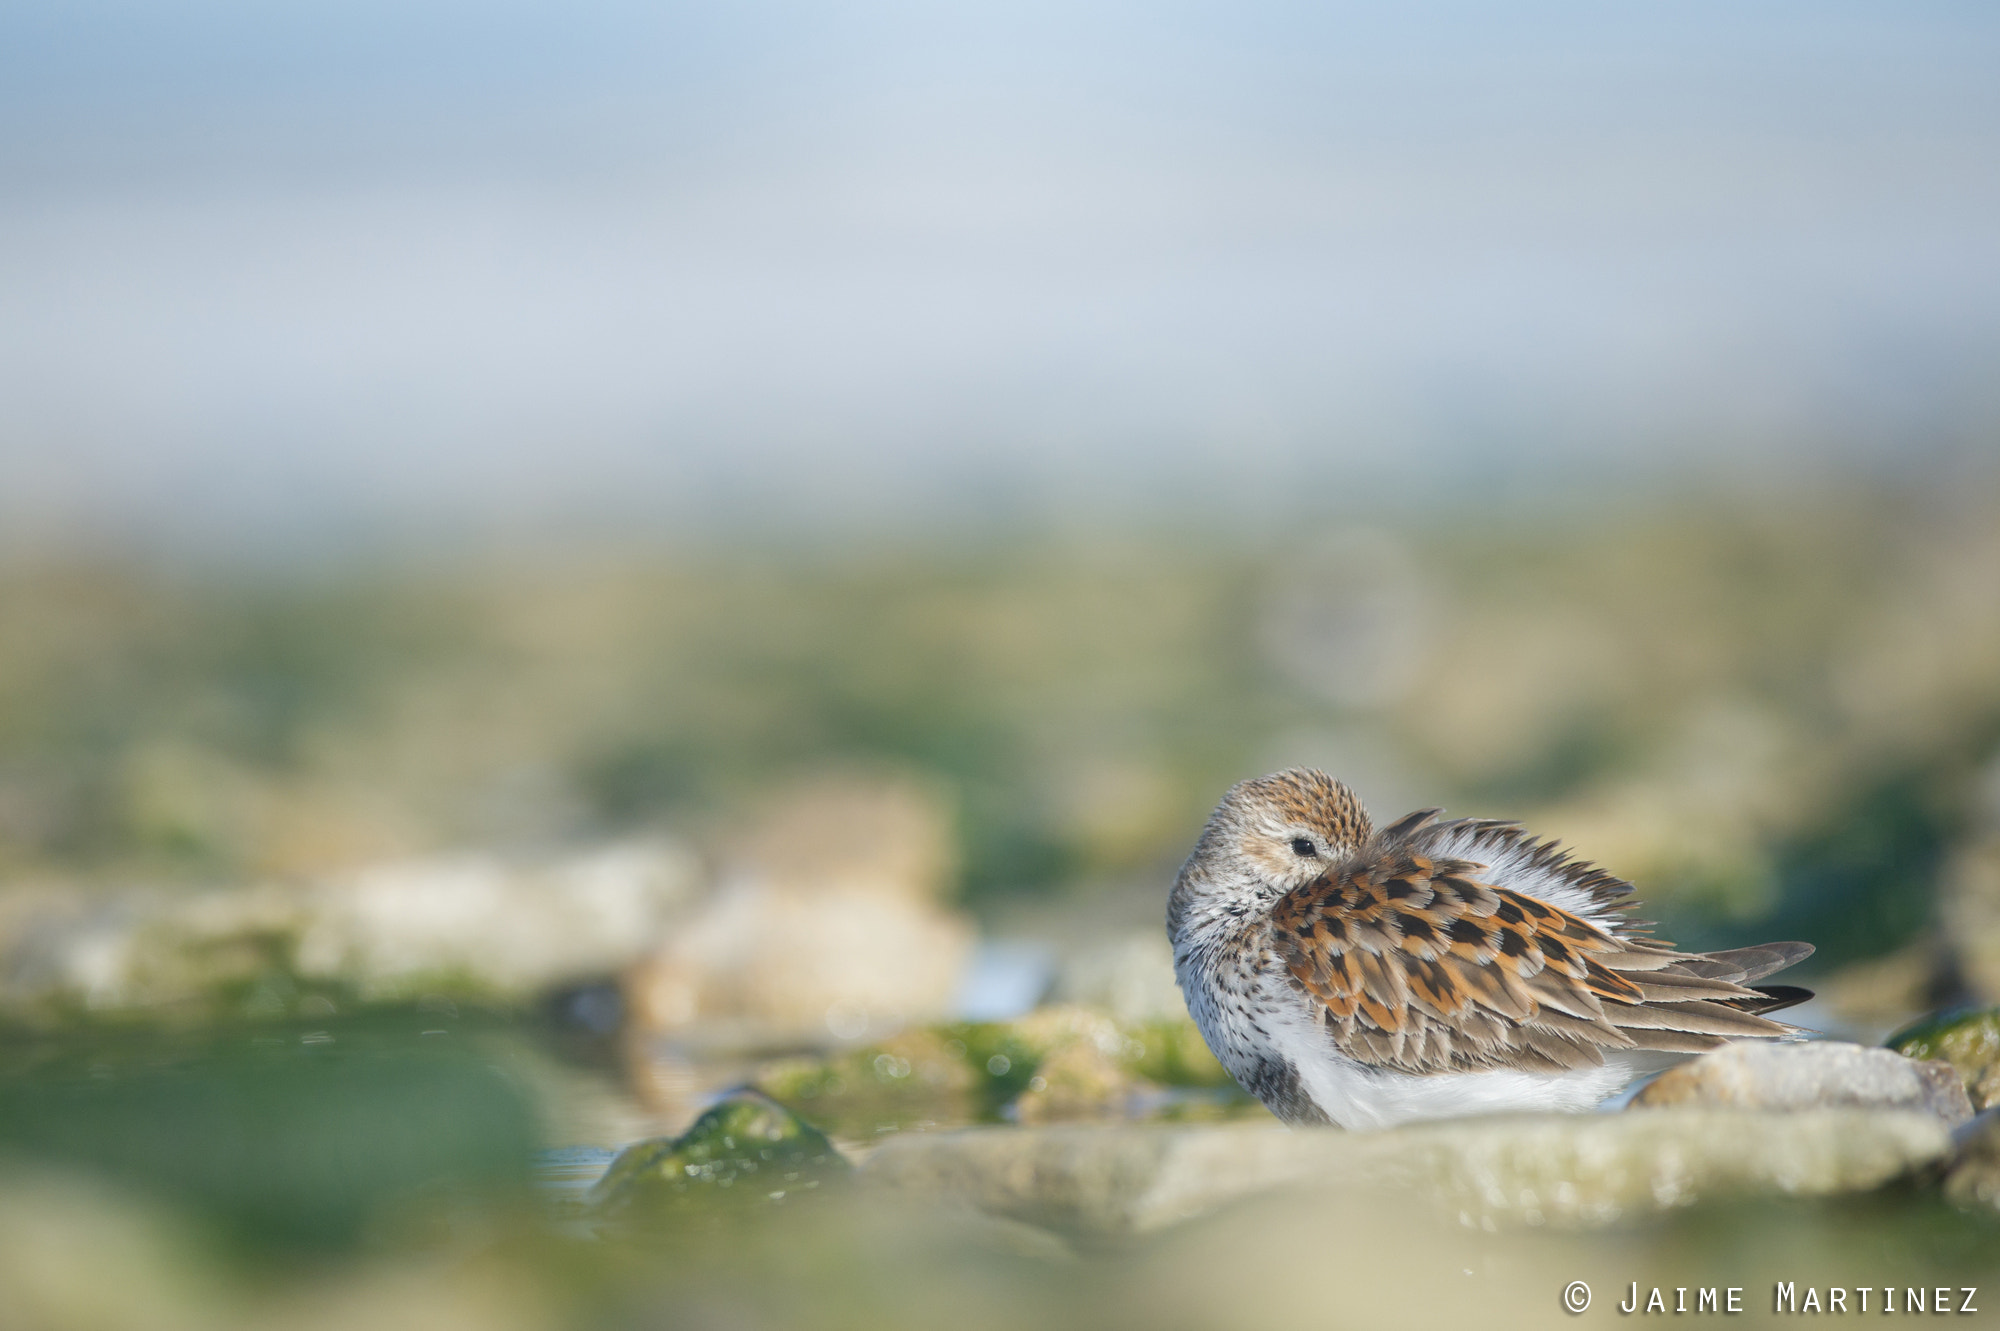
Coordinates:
[1432,969]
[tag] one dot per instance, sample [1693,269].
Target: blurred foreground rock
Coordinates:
[1823,1074]
[747,1138]
[77,1252]
[1969,1041]
[826,925]
[80,1253]
[1565,1169]
[475,926]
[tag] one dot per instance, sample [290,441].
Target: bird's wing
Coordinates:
[1421,963]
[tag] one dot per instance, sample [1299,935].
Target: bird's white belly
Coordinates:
[1360,1097]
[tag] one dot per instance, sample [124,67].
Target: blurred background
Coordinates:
[662,544]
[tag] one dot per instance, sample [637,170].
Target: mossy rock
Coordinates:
[747,1148]
[1079,1080]
[1172,1053]
[1058,1062]
[1969,1041]
[932,1074]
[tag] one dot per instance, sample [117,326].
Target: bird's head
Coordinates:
[1271,835]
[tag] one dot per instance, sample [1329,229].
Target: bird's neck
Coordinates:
[1210,907]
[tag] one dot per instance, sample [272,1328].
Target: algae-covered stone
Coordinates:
[1824,1074]
[1082,1066]
[747,1143]
[966,1071]
[1078,1080]
[1969,1041]
[1057,1062]
[1110,1180]
[1087,1065]
[1173,1053]
[919,1064]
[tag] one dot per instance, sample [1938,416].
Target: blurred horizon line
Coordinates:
[1200,510]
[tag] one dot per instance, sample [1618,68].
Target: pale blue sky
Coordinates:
[267,268]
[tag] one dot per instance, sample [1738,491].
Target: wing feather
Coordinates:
[1424,961]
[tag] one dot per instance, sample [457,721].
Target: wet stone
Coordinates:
[746,1149]
[1969,1041]
[1823,1074]
[1544,1170]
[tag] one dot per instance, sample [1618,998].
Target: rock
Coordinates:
[746,1139]
[1972,1179]
[1173,1053]
[908,1080]
[1087,1065]
[759,965]
[76,1251]
[825,926]
[1167,1052]
[497,928]
[1823,1074]
[1082,1065]
[1114,1180]
[1077,1081]
[64,951]
[1969,1041]
[1056,1063]
[854,834]
[472,926]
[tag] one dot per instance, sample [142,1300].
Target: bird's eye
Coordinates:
[1304,848]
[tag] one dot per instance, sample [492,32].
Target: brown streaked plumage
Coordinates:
[1434,967]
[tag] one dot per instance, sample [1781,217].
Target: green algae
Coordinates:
[1969,1040]
[746,1148]
[1062,1062]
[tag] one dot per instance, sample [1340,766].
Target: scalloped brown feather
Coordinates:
[1419,964]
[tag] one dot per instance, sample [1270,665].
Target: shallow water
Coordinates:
[566,1173]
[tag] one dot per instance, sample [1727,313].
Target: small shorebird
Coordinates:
[1432,969]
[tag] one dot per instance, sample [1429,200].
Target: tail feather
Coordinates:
[1777,997]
